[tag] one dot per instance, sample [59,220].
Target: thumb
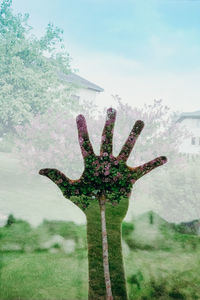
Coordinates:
[55,175]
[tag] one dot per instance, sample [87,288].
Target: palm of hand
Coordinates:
[104,175]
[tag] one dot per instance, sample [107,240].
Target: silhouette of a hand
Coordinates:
[104,174]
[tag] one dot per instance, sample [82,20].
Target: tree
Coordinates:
[11,220]
[29,69]
[102,193]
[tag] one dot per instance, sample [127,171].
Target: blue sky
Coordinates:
[141,50]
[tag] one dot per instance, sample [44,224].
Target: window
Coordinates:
[193,141]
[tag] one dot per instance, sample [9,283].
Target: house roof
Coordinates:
[80,81]
[189,115]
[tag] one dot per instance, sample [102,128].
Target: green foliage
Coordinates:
[151,219]
[19,235]
[159,236]
[15,235]
[28,79]
[11,220]
[127,229]
[68,230]
[136,279]
[91,186]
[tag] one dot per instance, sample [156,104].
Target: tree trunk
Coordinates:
[113,217]
[102,203]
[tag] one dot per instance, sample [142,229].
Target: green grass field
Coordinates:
[43,276]
[150,275]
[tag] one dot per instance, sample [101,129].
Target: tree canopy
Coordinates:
[29,69]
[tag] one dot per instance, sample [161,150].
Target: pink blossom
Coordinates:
[106,173]
[103,138]
[59,181]
[81,140]
[97,167]
[107,167]
[84,152]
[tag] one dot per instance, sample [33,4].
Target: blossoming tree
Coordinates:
[102,193]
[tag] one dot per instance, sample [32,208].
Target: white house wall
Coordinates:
[193,126]
[86,94]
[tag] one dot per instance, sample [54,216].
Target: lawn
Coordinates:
[43,276]
[150,275]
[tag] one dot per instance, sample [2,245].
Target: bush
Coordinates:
[127,229]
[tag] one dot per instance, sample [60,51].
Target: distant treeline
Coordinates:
[147,232]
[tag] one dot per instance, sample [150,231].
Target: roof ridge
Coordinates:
[80,81]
